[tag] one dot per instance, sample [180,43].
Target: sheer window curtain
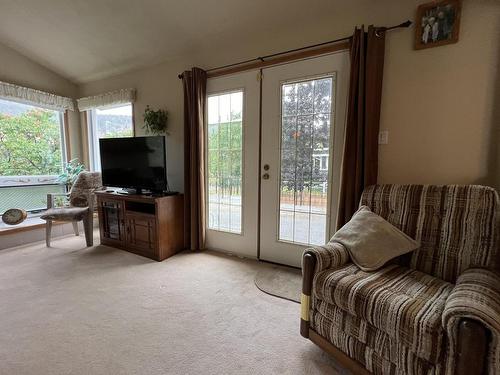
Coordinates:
[360,161]
[34,97]
[195,90]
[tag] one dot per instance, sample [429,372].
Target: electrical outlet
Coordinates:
[383,137]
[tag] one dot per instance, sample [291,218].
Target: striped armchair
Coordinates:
[433,311]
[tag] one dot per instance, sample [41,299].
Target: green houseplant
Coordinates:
[67,178]
[71,170]
[155,122]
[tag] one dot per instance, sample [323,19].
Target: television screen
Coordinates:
[138,162]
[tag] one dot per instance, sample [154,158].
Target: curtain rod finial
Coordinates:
[406,24]
[180,76]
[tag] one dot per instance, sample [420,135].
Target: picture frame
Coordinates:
[437,23]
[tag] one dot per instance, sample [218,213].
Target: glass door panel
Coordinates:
[305,139]
[225,161]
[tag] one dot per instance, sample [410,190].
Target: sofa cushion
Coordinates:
[373,348]
[373,241]
[456,226]
[404,303]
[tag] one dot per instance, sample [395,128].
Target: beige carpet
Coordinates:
[75,310]
[280,281]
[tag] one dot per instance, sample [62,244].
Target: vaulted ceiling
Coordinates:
[84,40]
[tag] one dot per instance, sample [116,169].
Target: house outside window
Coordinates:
[320,159]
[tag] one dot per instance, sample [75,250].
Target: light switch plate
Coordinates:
[383,137]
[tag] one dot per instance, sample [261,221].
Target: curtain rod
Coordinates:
[263,58]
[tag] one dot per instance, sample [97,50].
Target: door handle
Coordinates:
[266,167]
[265,176]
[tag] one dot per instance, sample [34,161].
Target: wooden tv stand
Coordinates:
[146,225]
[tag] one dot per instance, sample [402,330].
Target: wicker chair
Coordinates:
[433,311]
[81,206]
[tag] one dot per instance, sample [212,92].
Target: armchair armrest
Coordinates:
[475,299]
[316,259]
[51,196]
[331,255]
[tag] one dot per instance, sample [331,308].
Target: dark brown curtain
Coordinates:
[195,89]
[360,162]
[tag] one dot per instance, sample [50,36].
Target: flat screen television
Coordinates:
[135,163]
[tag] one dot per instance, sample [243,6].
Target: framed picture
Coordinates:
[437,23]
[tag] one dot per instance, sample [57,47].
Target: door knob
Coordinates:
[266,167]
[265,176]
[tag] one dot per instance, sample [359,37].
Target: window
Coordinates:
[32,153]
[306,108]
[224,161]
[114,122]
[321,159]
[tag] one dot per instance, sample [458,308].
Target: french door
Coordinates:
[232,144]
[303,112]
[291,125]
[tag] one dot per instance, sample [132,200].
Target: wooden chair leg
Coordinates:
[88,228]
[75,228]
[48,231]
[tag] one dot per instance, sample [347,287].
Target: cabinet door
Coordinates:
[111,221]
[141,233]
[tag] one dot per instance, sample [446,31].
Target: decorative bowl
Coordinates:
[14,216]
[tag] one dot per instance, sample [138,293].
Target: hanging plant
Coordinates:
[155,122]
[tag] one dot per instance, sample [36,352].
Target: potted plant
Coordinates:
[155,122]
[71,170]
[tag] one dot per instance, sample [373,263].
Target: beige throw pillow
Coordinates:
[373,241]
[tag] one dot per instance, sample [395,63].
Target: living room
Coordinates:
[249,187]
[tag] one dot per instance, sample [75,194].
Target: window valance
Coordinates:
[122,96]
[34,97]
